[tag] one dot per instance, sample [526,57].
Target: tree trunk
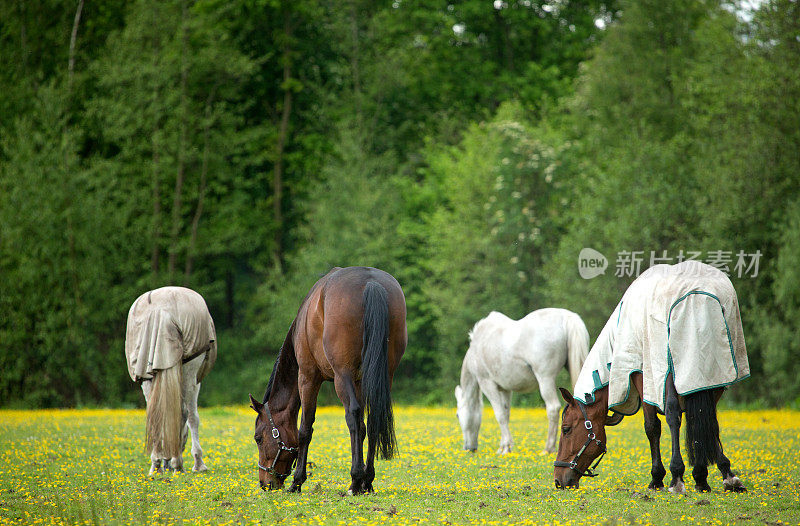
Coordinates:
[156,252]
[154,256]
[201,192]
[283,131]
[179,176]
[23,37]
[354,60]
[72,40]
[66,142]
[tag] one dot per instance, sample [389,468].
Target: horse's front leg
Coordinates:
[501,405]
[652,428]
[673,415]
[354,417]
[309,389]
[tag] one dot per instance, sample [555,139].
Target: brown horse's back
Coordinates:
[334,310]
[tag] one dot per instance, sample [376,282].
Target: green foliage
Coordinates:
[501,194]
[472,149]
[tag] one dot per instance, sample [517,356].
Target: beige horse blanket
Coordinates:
[168,326]
[680,318]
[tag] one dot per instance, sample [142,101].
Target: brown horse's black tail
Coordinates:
[375,384]
[702,428]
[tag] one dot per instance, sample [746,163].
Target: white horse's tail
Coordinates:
[163,431]
[577,346]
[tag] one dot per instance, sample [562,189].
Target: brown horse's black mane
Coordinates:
[286,352]
[285,364]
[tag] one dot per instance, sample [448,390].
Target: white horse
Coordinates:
[507,355]
[170,346]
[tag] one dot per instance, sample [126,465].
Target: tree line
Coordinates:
[470,148]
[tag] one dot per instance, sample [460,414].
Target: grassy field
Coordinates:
[87,466]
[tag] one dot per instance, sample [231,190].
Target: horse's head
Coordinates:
[583,439]
[277,447]
[469,417]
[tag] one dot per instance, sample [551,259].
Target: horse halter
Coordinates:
[276,435]
[573,464]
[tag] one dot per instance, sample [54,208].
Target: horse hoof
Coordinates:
[656,486]
[703,488]
[202,468]
[294,488]
[678,489]
[734,484]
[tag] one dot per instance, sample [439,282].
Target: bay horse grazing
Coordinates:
[351,329]
[170,346]
[506,356]
[674,341]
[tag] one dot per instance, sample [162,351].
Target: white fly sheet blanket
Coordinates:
[168,326]
[680,318]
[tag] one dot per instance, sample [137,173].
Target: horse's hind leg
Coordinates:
[547,388]
[652,428]
[501,404]
[194,426]
[155,460]
[354,417]
[673,414]
[730,482]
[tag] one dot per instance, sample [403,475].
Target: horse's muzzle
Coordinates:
[569,482]
[273,485]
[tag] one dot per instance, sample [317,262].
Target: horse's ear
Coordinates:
[458,393]
[566,395]
[257,406]
[614,419]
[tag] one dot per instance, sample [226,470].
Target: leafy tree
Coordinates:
[502,192]
[636,188]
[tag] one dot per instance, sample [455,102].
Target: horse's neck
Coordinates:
[284,395]
[600,405]
[469,387]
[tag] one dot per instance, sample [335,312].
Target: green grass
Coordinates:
[87,466]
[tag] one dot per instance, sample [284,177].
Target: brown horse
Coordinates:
[674,342]
[351,329]
[583,438]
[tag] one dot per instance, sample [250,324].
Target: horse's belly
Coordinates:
[519,379]
[519,387]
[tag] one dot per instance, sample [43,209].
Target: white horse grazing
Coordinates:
[170,346]
[507,355]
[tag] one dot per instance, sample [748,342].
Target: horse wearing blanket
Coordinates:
[170,346]
[674,341]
